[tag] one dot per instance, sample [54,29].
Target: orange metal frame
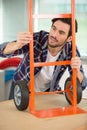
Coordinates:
[73,109]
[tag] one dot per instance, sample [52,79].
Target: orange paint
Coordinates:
[56,111]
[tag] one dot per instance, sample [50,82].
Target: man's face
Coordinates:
[58,34]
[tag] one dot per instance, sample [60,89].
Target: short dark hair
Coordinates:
[67,21]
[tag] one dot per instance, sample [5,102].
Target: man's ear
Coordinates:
[69,39]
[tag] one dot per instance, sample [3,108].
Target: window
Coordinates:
[44,6]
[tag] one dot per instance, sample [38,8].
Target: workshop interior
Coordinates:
[12,13]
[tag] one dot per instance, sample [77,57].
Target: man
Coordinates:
[48,47]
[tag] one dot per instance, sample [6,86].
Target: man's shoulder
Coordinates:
[41,36]
[40,39]
[44,32]
[41,33]
[68,46]
[68,49]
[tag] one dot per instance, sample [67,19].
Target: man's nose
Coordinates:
[55,34]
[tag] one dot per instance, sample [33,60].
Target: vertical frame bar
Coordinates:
[73,52]
[31,85]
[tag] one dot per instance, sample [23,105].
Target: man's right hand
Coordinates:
[23,38]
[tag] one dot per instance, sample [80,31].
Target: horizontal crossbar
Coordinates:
[52,16]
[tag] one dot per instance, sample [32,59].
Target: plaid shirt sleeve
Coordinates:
[17,52]
[23,70]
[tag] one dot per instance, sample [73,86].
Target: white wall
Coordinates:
[1,21]
[15,18]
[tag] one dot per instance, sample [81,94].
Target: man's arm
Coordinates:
[11,47]
[23,38]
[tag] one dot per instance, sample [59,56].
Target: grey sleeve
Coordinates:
[2,46]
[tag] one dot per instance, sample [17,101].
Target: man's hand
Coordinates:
[76,64]
[23,38]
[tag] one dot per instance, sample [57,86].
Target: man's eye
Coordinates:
[53,28]
[61,32]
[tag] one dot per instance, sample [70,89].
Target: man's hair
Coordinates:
[67,21]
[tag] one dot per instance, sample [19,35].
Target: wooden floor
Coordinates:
[12,119]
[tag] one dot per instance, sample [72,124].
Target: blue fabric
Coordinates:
[9,75]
